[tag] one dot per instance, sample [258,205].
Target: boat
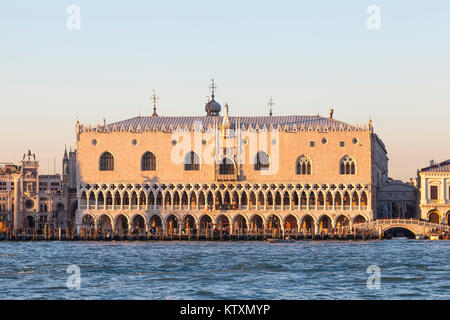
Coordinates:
[434,237]
[280,240]
[419,236]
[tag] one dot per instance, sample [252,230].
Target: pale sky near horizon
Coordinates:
[308,55]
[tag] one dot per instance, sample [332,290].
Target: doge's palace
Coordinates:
[236,174]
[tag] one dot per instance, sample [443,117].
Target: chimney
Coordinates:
[432,163]
[331,113]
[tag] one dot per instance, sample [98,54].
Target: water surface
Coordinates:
[410,269]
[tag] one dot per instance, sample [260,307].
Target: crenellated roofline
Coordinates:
[257,123]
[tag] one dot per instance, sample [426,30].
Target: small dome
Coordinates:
[213,108]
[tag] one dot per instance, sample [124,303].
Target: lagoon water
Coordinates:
[410,269]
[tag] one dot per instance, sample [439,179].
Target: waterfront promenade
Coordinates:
[377,229]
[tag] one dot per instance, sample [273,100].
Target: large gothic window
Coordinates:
[347,166]
[226,166]
[191,162]
[148,162]
[262,161]
[106,162]
[303,165]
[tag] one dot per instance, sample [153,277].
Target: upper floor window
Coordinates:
[191,162]
[303,165]
[262,161]
[148,162]
[106,162]
[347,166]
[434,193]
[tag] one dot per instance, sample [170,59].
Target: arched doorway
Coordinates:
[223,224]
[434,216]
[88,223]
[121,225]
[359,219]
[274,225]
[206,225]
[291,225]
[257,224]
[325,225]
[172,224]
[189,225]
[240,225]
[307,225]
[138,225]
[342,224]
[155,225]
[104,225]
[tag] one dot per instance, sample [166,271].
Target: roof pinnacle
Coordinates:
[270,104]
[154,99]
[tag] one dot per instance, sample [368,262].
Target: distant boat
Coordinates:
[280,240]
[434,237]
[420,237]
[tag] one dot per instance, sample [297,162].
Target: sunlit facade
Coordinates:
[295,174]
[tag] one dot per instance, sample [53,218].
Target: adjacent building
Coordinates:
[434,186]
[29,200]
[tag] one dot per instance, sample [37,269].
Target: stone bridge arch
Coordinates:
[410,228]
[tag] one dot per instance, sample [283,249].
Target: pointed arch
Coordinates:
[235,201]
[307,224]
[148,161]
[325,224]
[338,201]
[363,200]
[346,200]
[303,200]
[355,200]
[201,200]
[106,162]
[321,201]
[347,165]
[184,200]
[151,199]
[240,224]
[295,199]
[167,198]
[244,199]
[142,199]
[193,200]
[303,165]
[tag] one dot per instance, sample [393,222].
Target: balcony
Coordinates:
[225,172]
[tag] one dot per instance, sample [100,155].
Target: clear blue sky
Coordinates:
[308,55]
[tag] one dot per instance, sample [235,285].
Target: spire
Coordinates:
[65,153]
[154,99]
[270,104]
[212,107]
[213,88]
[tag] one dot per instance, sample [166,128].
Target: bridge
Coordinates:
[417,227]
